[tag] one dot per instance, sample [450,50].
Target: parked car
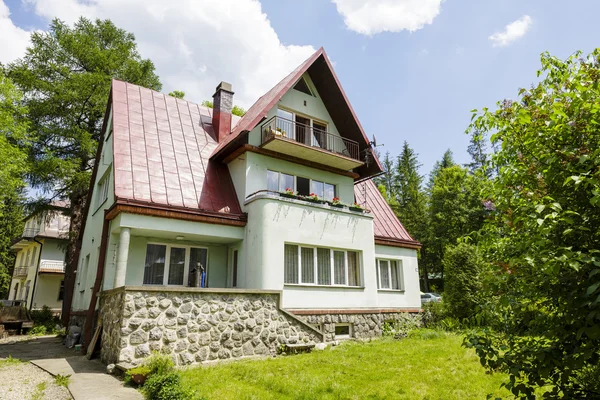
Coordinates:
[430,297]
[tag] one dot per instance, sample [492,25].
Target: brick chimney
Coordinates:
[222,105]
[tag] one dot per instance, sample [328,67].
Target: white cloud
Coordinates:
[512,32]
[14,39]
[196,44]
[369,17]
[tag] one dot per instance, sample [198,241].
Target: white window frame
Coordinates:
[399,274]
[350,331]
[295,185]
[103,188]
[186,265]
[331,264]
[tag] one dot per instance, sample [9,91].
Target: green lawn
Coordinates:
[427,365]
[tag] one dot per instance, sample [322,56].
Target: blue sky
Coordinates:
[417,85]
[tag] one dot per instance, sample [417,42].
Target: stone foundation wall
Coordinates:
[196,325]
[364,325]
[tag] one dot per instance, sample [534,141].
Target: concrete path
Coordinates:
[89,380]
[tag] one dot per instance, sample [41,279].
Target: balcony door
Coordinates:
[303,131]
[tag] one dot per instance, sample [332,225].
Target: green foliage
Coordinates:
[177,94]
[65,77]
[447,161]
[236,110]
[62,380]
[543,239]
[462,268]
[165,387]
[160,364]
[433,314]
[9,361]
[13,147]
[44,322]
[400,328]
[38,394]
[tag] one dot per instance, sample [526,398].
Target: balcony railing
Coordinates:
[57,267]
[20,271]
[30,232]
[283,128]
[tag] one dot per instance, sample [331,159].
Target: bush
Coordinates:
[44,322]
[462,268]
[400,328]
[433,314]
[165,387]
[160,364]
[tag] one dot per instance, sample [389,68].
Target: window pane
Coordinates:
[303,186]
[339,268]
[384,274]
[307,261]
[353,269]
[285,182]
[329,191]
[176,266]
[198,265]
[394,277]
[154,268]
[317,188]
[285,123]
[272,181]
[290,263]
[324,266]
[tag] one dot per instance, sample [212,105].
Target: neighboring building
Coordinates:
[39,269]
[197,251]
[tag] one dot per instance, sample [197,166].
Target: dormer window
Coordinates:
[302,86]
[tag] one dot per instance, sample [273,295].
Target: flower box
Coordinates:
[289,196]
[339,205]
[356,209]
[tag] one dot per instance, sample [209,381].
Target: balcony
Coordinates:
[52,267]
[306,142]
[20,272]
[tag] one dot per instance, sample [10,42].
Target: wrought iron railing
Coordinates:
[52,266]
[20,271]
[278,127]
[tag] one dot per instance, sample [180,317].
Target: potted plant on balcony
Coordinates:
[336,203]
[356,207]
[313,198]
[289,193]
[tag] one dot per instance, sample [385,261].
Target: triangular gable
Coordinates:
[331,92]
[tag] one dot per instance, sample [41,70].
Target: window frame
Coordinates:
[399,274]
[295,185]
[167,265]
[332,283]
[350,334]
[104,180]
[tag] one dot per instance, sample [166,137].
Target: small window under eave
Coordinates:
[303,87]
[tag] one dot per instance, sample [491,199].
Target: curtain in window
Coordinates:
[154,268]
[286,182]
[339,268]
[395,277]
[384,274]
[307,261]
[329,191]
[272,181]
[290,261]
[318,188]
[176,266]
[323,267]
[353,270]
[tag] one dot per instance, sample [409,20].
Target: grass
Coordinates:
[39,391]
[62,380]
[8,361]
[427,365]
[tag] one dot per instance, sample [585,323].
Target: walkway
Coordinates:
[89,380]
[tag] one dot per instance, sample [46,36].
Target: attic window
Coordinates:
[302,86]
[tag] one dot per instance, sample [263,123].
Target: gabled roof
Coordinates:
[327,84]
[386,225]
[162,147]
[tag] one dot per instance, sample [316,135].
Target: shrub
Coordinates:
[462,268]
[399,328]
[160,364]
[44,318]
[38,330]
[165,387]
[433,314]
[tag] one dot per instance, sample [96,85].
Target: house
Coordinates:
[38,274]
[210,236]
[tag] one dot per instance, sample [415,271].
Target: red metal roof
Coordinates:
[162,147]
[385,223]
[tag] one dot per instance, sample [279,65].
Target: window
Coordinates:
[390,276]
[102,189]
[85,263]
[321,266]
[61,290]
[234,268]
[279,182]
[173,265]
[343,331]
[302,86]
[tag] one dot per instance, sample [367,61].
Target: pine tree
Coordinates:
[478,151]
[446,162]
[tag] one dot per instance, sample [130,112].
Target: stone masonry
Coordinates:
[196,325]
[364,325]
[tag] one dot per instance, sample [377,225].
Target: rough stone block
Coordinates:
[134,323]
[154,312]
[182,332]
[186,308]
[138,337]
[164,303]
[143,350]
[170,336]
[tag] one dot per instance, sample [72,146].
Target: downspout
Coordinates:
[37,271]
[89,319]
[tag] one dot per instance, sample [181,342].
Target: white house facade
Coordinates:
[212,236]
